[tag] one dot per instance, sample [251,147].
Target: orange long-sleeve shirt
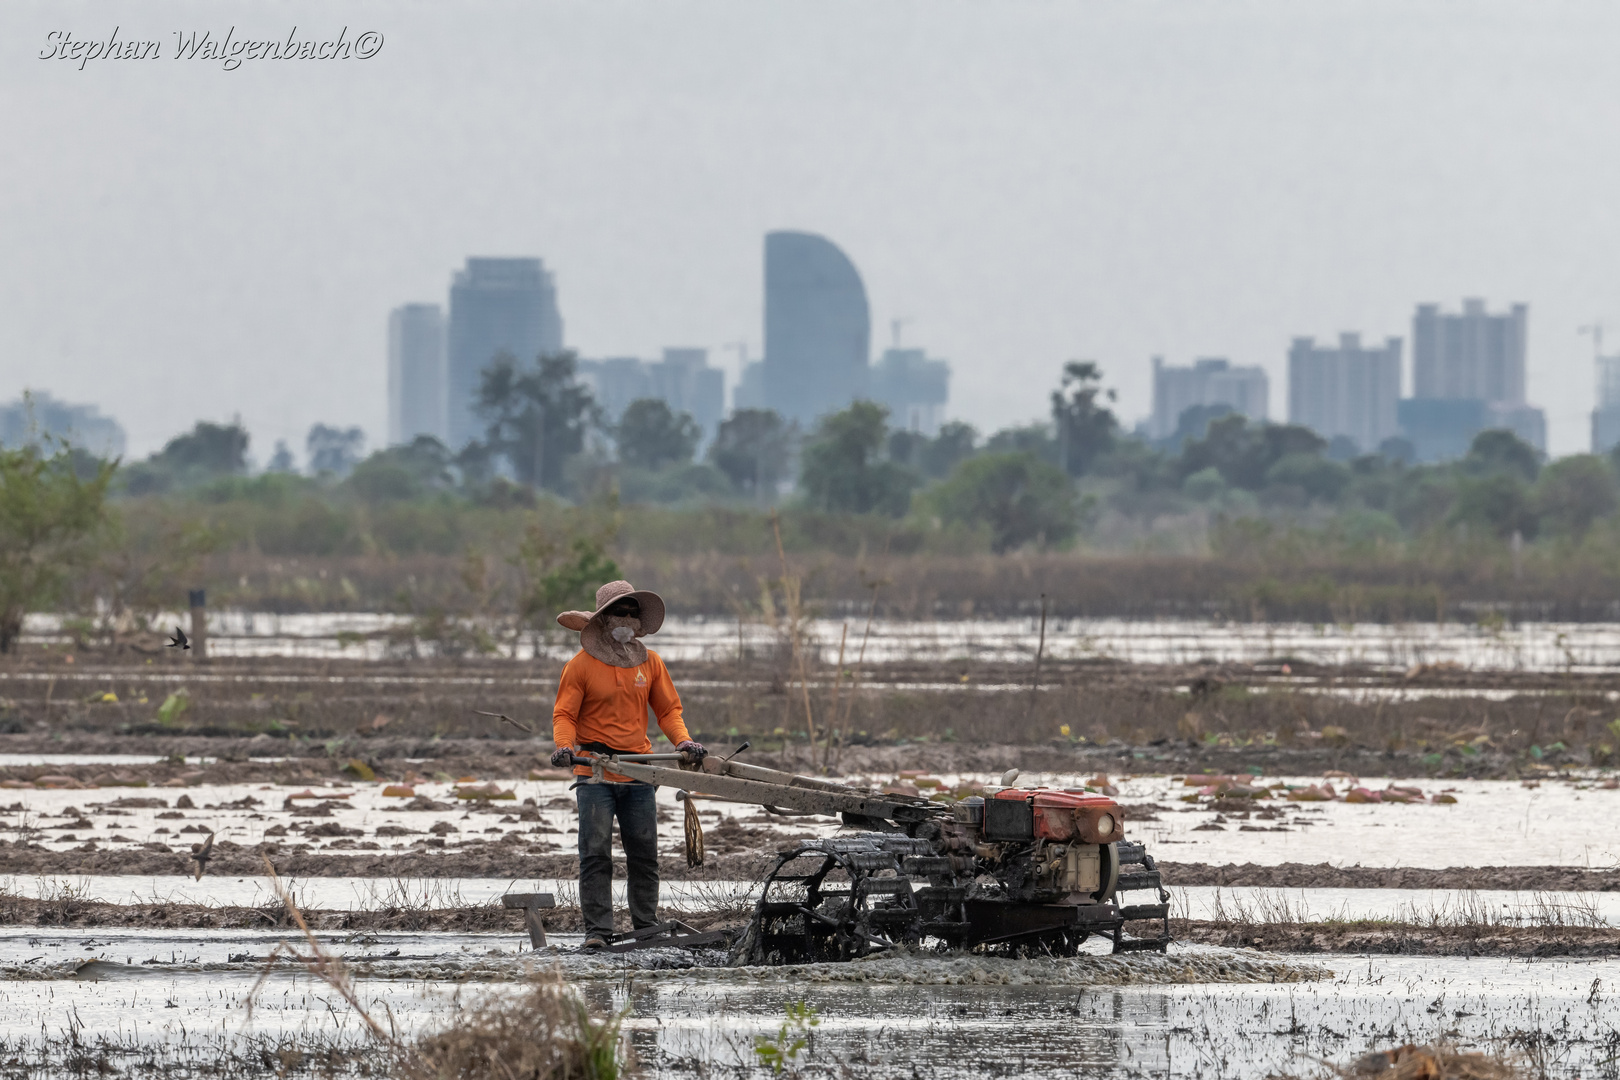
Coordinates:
[600,703]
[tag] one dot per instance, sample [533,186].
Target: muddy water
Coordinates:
[1096,1016]
[1521,647]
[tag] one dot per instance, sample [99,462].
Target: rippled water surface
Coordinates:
[1529,646]
[159,988]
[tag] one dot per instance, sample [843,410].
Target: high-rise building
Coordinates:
[686,381]
[683,380]
[1606,417]
[750,390]
[1474,355]
[1210,381]
[36,416]
[496,306]
[1468,374]
[817,327]
[1349,391]
[914,387]
[416,375]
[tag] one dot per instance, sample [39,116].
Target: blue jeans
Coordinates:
[637,812]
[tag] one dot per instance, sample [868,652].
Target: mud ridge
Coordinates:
[1395,939]
[1324,876]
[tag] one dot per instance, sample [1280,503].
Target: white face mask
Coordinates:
[622,634]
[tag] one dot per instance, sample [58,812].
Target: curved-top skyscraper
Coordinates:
[817,327]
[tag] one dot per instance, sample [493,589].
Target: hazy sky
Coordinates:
[1024,182]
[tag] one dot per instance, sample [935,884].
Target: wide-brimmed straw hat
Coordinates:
[652,607]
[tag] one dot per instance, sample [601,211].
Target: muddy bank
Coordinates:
[480,861]
[1324,876]
[1395,939]
[482,918]
[1367,937]
[237,760]
[496,860]
[1281,717]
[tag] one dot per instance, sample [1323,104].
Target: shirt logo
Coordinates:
[641,678]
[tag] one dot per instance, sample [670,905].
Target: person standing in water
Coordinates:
[602,702]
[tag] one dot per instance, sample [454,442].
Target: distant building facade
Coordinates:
[1468,375]
[750,390]
[683,380]
[914,387]
[416,373]
[1606,417]
[817,327]
[496,306]
[1209,381]
[1474,355]
[36,416]
[1350,391]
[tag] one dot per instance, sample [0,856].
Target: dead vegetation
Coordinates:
[546,1032]
[325,716]
[1439,1061]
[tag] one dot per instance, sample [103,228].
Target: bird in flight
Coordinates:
[202,853]
[177,640]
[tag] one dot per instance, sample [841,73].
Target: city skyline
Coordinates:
[1110,183]
[1463,356]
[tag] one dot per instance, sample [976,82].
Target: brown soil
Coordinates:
[1355,938]
[1323,876]
[1396,939]
[17,911]
[483,861]
[956,713]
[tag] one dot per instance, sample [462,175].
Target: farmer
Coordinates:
[602,702]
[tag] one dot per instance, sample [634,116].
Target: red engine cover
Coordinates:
[1091,819]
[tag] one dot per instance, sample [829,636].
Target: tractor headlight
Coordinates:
[1105,824]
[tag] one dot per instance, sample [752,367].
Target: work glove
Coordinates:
[693,749]
[562,756]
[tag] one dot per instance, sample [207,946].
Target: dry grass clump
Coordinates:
[546,1032]
[1435,1062]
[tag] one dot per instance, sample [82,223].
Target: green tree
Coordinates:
[652,436]
[1498,502]
[334,450]
[50,521]
[1573,492]
[1085,429]
[1019,497]
[403,472]
[1194,421]
[1499,451]
[1243,454]
[954,444]
[537,416]
[752,448]
[1036,438]
[218,449]
[843,469]
[206,453]
[1316,476]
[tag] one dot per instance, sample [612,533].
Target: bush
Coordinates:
[50,520]
[1019,497]
[1573,492]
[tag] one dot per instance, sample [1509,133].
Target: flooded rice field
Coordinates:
[1195,1012]
[1520,647]
[402,880]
